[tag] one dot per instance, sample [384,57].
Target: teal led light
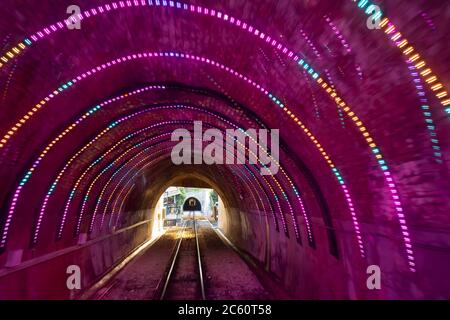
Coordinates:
[362,3]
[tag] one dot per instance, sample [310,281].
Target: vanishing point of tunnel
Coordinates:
[158,149]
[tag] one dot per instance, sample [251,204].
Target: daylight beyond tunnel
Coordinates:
[288,149]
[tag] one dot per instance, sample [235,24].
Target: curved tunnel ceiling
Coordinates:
[86,118]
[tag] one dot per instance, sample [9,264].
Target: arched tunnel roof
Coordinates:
[363,116]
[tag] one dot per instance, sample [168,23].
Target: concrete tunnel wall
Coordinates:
[86,118]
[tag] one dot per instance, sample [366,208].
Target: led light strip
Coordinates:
[109,166]
[309,231]
[121,167]
[426,111]
[14,52]
[166,107]
[290,54]
[118,184]
[256,32]
[125,186]
[96,162]
[310,44]
[50,146]
[111,194]
[260,35]
[114,206]
[113,163]
[338,109]
[141,168]
[67,165]
[338,34]
[411,54]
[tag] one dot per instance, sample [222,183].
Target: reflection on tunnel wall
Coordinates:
[363,179]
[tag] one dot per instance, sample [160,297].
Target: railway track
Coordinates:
[183,279]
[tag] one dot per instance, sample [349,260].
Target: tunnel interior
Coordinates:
[354,101]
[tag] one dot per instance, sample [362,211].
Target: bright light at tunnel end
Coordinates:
[191,150]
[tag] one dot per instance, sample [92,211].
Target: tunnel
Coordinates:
[322,126]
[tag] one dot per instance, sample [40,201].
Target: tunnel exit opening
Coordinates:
[178,204]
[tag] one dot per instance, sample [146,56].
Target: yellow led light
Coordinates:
[378,156]
[446,102]
[389,29]
[420,65]
[21,46]
[409,50]
[319,80]
[372,145]
[426,72]
[436,87]
[4,59]
[9,54]
[414,57]
[431,79]
[384,22]
[441,94]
